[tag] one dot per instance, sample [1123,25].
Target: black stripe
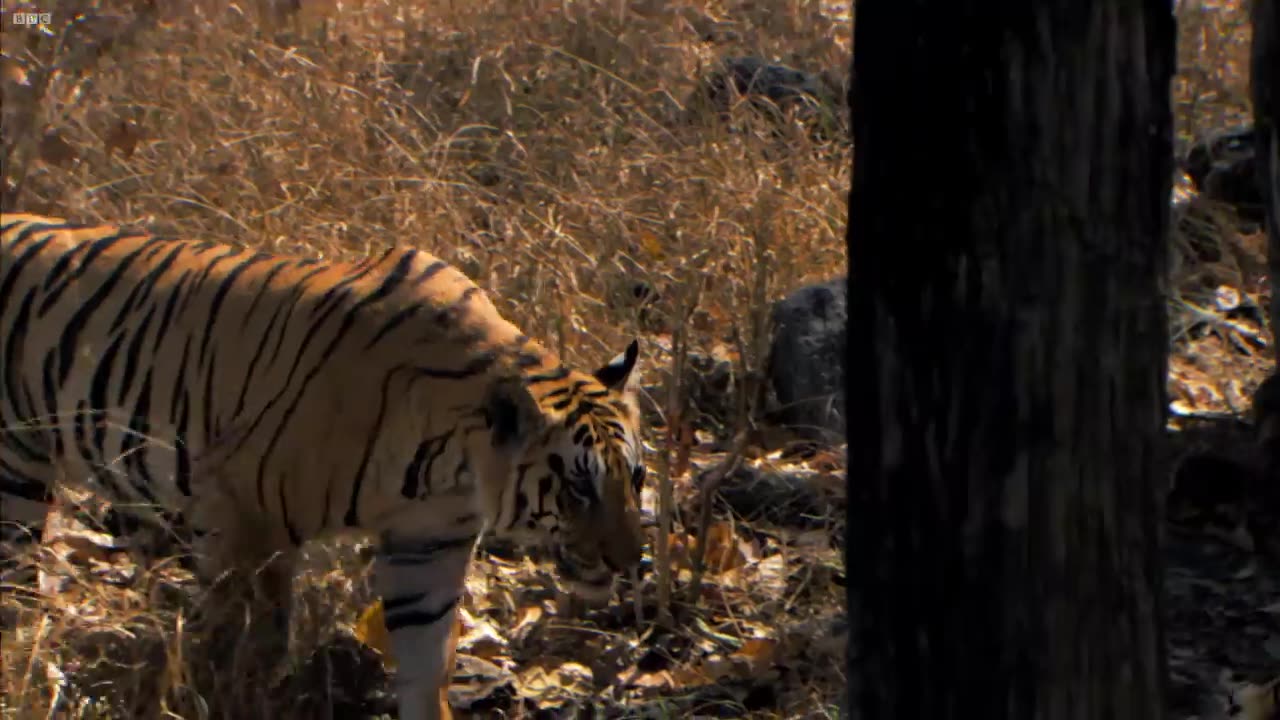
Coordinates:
[405,554]
[133,441]
[181,411]
[21,414]
[294,538]
[15,269]
[288,313]
[262,290]
[450,315]
[7,226]
[475,367]
[49,390]
[409,488]
[554,375]
[220,296]
[69,341]
[175,293]
[392,323]
[584,408]
[19,484]
[99,384]
[64,261]
[96,248]
[415,618]
[420,469]
[261,345]
[140,430]
[526,360]
[131,357]
[142,290]
[338,292]
[389,284]
[178,391]
[391,604]
[351,518]
[197,288]
[79,434]
[396,278]
[430,272]
[522,502]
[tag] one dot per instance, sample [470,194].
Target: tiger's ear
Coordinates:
[616,375]
[513,415]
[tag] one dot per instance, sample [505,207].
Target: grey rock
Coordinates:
[806,360]
[1223,166]
[754,76]
[777,498]
[770,87]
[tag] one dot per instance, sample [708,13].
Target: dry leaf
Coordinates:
[757,654]
[549,679]
[12,71]
[669,679]
[123,136]
[371,630]
[678,545]
[685,438]
[723,553]
[660,680]
[649,241]
[479,637]
[771,575]
[55,150]
[527,618]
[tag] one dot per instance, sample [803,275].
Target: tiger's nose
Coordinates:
[625,553]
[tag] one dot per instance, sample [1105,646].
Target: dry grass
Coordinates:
[1220,351]
[550,150]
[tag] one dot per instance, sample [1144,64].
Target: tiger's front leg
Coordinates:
[229,541]
[420,582]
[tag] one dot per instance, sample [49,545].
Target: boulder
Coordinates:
[806,360]
[768,86]
[780,497]
[1223,167]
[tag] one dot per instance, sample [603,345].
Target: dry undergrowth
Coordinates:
[553,152]
[1221,346]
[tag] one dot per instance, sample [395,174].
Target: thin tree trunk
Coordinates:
[1265,90]
[1006,378]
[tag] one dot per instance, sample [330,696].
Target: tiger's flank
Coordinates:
[257,401]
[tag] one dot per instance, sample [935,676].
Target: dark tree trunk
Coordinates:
[1006,380]
[1265,89]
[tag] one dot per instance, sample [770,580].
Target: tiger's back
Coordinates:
[187,344]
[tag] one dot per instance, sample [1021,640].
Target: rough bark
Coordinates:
[1007,240]
[1264,82]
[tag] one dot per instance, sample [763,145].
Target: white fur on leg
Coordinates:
[420,584]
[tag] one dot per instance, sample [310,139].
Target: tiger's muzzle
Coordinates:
[589,566]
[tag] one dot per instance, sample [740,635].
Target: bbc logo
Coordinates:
[32,19]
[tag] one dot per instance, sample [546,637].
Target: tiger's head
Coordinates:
[574,468]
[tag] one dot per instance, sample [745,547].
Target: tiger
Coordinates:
[263,400]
